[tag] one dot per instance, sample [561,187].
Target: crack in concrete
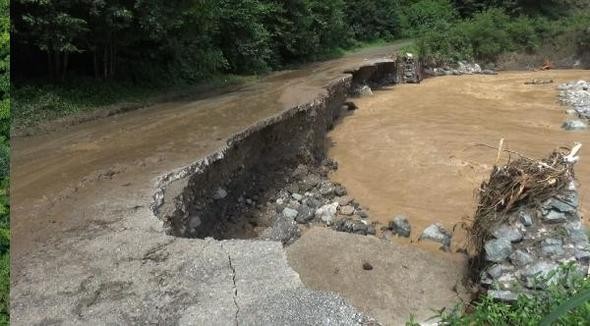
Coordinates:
[233,269]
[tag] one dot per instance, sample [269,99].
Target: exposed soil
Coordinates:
[413,149]
[58,178]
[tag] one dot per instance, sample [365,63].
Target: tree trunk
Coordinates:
[95,62]
[64,68]
[57,64]
[50,63]
[105,64]
[112,61]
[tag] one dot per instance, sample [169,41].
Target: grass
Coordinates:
[527,310]
[42,102]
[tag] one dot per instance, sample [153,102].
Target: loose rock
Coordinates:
[525,218]
[507,232]
[283,229]
[220,194]
[498,250]
[520,258]
[401,226]
[304,214]
[554,217]
[347,210]
[575,125]
[289,213]
[503,295]
[297,196]
[436,232]
[327,212]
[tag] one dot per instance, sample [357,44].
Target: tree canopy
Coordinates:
[191,39]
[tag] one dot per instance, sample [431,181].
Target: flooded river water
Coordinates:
[415,149]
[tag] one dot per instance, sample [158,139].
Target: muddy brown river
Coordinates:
[414,149]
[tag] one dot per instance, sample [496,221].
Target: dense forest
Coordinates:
[192,39]
[4,161]
[70,55]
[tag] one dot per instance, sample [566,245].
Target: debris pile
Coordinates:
[308,197]
[538,81]
[527,224]
[461,68]
[409,68]
[576,95]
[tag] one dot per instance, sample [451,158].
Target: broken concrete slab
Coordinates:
[132,275]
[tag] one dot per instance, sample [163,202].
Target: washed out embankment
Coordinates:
[205,198]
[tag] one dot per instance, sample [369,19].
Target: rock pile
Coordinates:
[461,68]
[309,197]
[409,69]
[576,95]
[525,249]
[526,252]
[538,81]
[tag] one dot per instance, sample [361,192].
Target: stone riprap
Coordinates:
[576,95]
[410,69]
[460,68]
[528,250]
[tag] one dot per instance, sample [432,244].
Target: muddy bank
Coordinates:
[205,198]
[414,150]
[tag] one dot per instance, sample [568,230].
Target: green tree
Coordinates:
[373,19]
[426,15]
[52,27]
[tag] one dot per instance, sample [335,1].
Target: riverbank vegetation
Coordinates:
[4,162]
[559,33]
[67,52]
[530,310]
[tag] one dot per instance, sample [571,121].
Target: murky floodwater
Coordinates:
[413,149]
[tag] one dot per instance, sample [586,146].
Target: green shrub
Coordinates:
[527,310]
[487,34]
[426,15]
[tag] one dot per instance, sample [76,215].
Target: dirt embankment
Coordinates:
[200,199]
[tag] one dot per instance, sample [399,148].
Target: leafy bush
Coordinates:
[427,15]
[487,34]
[4,162]
[369,20]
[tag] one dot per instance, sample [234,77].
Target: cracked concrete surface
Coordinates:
[233,276]
[133,276]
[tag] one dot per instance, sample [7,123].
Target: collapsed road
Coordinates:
[88,248]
